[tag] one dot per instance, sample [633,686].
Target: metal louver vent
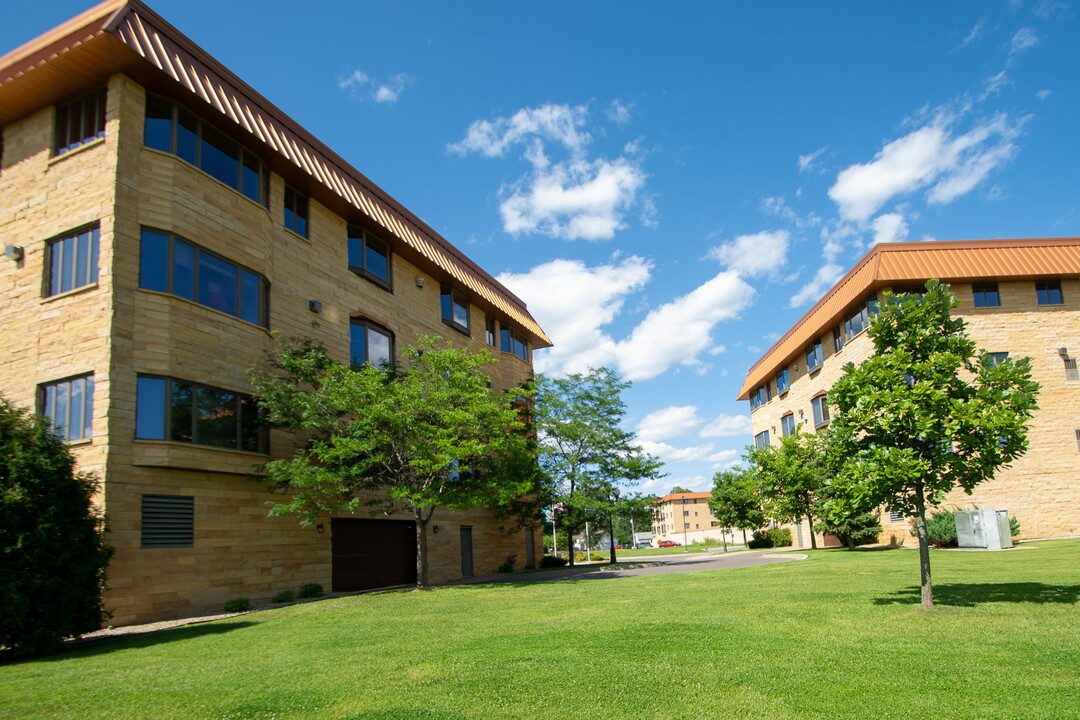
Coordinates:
[168,521]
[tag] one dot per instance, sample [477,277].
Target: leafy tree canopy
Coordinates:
[791,476]
[736,501]
[679,489]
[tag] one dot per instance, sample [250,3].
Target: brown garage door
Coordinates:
[372,553]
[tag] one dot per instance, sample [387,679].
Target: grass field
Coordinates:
[839,635]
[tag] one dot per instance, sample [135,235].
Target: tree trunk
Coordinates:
[813,539]
[611,533]
[421,551]
[924,549]
[849,540]
[570,544]
[745,544]
[723,538]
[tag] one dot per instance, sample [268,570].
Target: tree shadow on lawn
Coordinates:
[88,647]
[972,594]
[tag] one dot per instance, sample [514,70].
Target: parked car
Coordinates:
[668,543]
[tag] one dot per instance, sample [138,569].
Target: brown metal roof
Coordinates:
[116,34]
[885,264]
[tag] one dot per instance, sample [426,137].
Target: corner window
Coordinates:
[69,406]
[782,382]
[761,439]
[455,309]
[1048,292]
[296,212]
[171,265]
[176,130]
[820,404]
[860,319]
[369,344]
[759,397]
[168,521]
[72,261]
[814,357]
[79,122]
[369,256]
[489,331]
[787,425]
[985,295]
[513,341]
[177,410]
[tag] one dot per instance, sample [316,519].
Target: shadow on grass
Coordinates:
[88,647]
[972,594]
[407,714]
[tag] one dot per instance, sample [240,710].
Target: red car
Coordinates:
[668,543]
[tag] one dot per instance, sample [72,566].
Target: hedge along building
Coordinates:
[163,218]
[1018,297]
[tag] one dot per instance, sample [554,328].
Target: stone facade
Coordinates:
[1042,489]
[117,331]
[685,518]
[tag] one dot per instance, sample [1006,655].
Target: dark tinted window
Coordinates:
[181,407]
[187,137]
[251,297]
[1048,292]
[80,121]
[220,156]
[157,132]
[154,261]
[183,270]
[986,295]
[215,417]
[217,283]
[150,409]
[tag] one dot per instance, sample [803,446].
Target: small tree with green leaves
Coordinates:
[53,554]
[791,475]
[430,435]
[736,500]
[926,413]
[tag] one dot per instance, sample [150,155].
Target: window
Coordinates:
[489,331]
[296,212]
[172,265]
[79,122]
[369,256]
[820,405]
[1078,439]
[787,425]
[995,358]
[1048,292]
[761,439]
[782,381]
[455,309]
[860,319]
[369,343]
[759,397]
[686,513]
[985,295]
[176,130]
[1071,373]
[896,516]
[69,406]
[837,340]
[814,357]
[177,410]
[168,521]
[72,261]
[513,341]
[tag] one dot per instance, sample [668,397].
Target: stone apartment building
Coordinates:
[160,219]
[684,518]
[1019,298]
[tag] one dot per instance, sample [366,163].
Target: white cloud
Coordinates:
[618,112]
[725,459]
[890,228]
[823,279]
[728,426]
[560,123]
[806,162]
[754,255]
[575,199]
[672,454]
[1043,94]
[356,79]
[995,85]
[390,91]
[975,34]
[360,84]
[930,156]
[1023,39]
[668,422]
[753,349]
[777,206]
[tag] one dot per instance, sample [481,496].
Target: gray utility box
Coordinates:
[983,529]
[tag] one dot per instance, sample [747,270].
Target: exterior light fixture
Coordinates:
[420,281]
[320,528]
[1063,352]
[315,306]
[435,529]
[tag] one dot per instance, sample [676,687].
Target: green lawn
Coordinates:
[838,635]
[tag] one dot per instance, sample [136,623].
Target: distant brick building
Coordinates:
[684,518]
[1020,298]
[163,218]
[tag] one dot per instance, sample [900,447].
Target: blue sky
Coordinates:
[669,191]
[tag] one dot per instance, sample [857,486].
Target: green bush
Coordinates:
[592,555]
[552,561]
[761,540]
[309,590]
[53,554]
[1014,526]
[940,529]
[780,537]
[508,566]
[238,605]
[854,529]
[284,596]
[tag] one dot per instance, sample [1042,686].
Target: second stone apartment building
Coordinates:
[160,220]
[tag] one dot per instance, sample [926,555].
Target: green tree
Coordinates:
[925,413]
[736,500]
[791,476]
[53,554]
[415,439]
[635,516]
[584,452]
[679,489]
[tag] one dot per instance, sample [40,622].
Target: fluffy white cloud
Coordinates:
[575,199]
[672,454]
[930,156]
[754,255]
[728,426]
[560,123]
[391,90]
[890,228]
[725,459]
[668,422]
[823,279]
[1043,94]
[806,162]
[618,112]
[362,85]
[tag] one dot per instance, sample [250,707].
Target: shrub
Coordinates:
[854,529]
[780,537]
[761,540]
[508,566]
[238,605]
[552,561]
[309,590]
[940,529]
[284,596]
[1014,526]
[53,555]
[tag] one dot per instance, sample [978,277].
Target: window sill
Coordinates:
[75,151]
[305,238]
[818,426]
[81,442]
[371,278]
[69,293]
[814,370]
[454,325]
